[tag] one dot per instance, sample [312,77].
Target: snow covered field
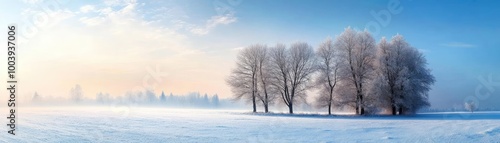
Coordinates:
[133,124]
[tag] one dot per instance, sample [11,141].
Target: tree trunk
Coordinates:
[254,107]
[357,105]
[266,108]
[393,109]
[253,92]
[330,100]
[290,108]
[330,109]
[357,109]
[401,111]
[362,112]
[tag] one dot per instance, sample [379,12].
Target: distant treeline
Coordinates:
[149,97]
[146,97]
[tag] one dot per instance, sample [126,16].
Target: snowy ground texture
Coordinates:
[126,124]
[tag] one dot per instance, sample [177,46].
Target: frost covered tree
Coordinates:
[103,97]
[215,100]
[36,97]
[205,101]
[354,72]
[291,71]
[418,82]
[243,79]
[403,79]
[471,106]
[163,98]
[357,50]
[150,96]
[171,97]
[98,97]
[76,93]
[328,68]
[391,72]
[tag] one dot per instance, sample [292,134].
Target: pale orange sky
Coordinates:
[115,51]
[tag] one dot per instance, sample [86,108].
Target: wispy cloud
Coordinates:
[213,22]
[181,21]
[31,1]
[458,45]
[119,2]
[237,49]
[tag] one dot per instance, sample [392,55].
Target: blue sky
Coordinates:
[193,39]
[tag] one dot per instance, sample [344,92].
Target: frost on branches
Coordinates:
[352,72]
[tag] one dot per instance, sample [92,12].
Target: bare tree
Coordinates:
[471,106]
[358,55]
[243,79]
[292,69]
[280,69]
[328,67]
[265,92]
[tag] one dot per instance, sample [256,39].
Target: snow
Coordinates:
[134,124]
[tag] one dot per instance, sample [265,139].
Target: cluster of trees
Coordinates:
[264,74]
[352,71]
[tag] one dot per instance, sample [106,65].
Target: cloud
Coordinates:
[93,21]
[47,19]
[167,13]
[108,47]
[112,47]
[105,11]
[107,14]
[32,1]
[213,22]
[87,8]
[119,2]
[216,20]
[237,49]
[180,20]
[458,45]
